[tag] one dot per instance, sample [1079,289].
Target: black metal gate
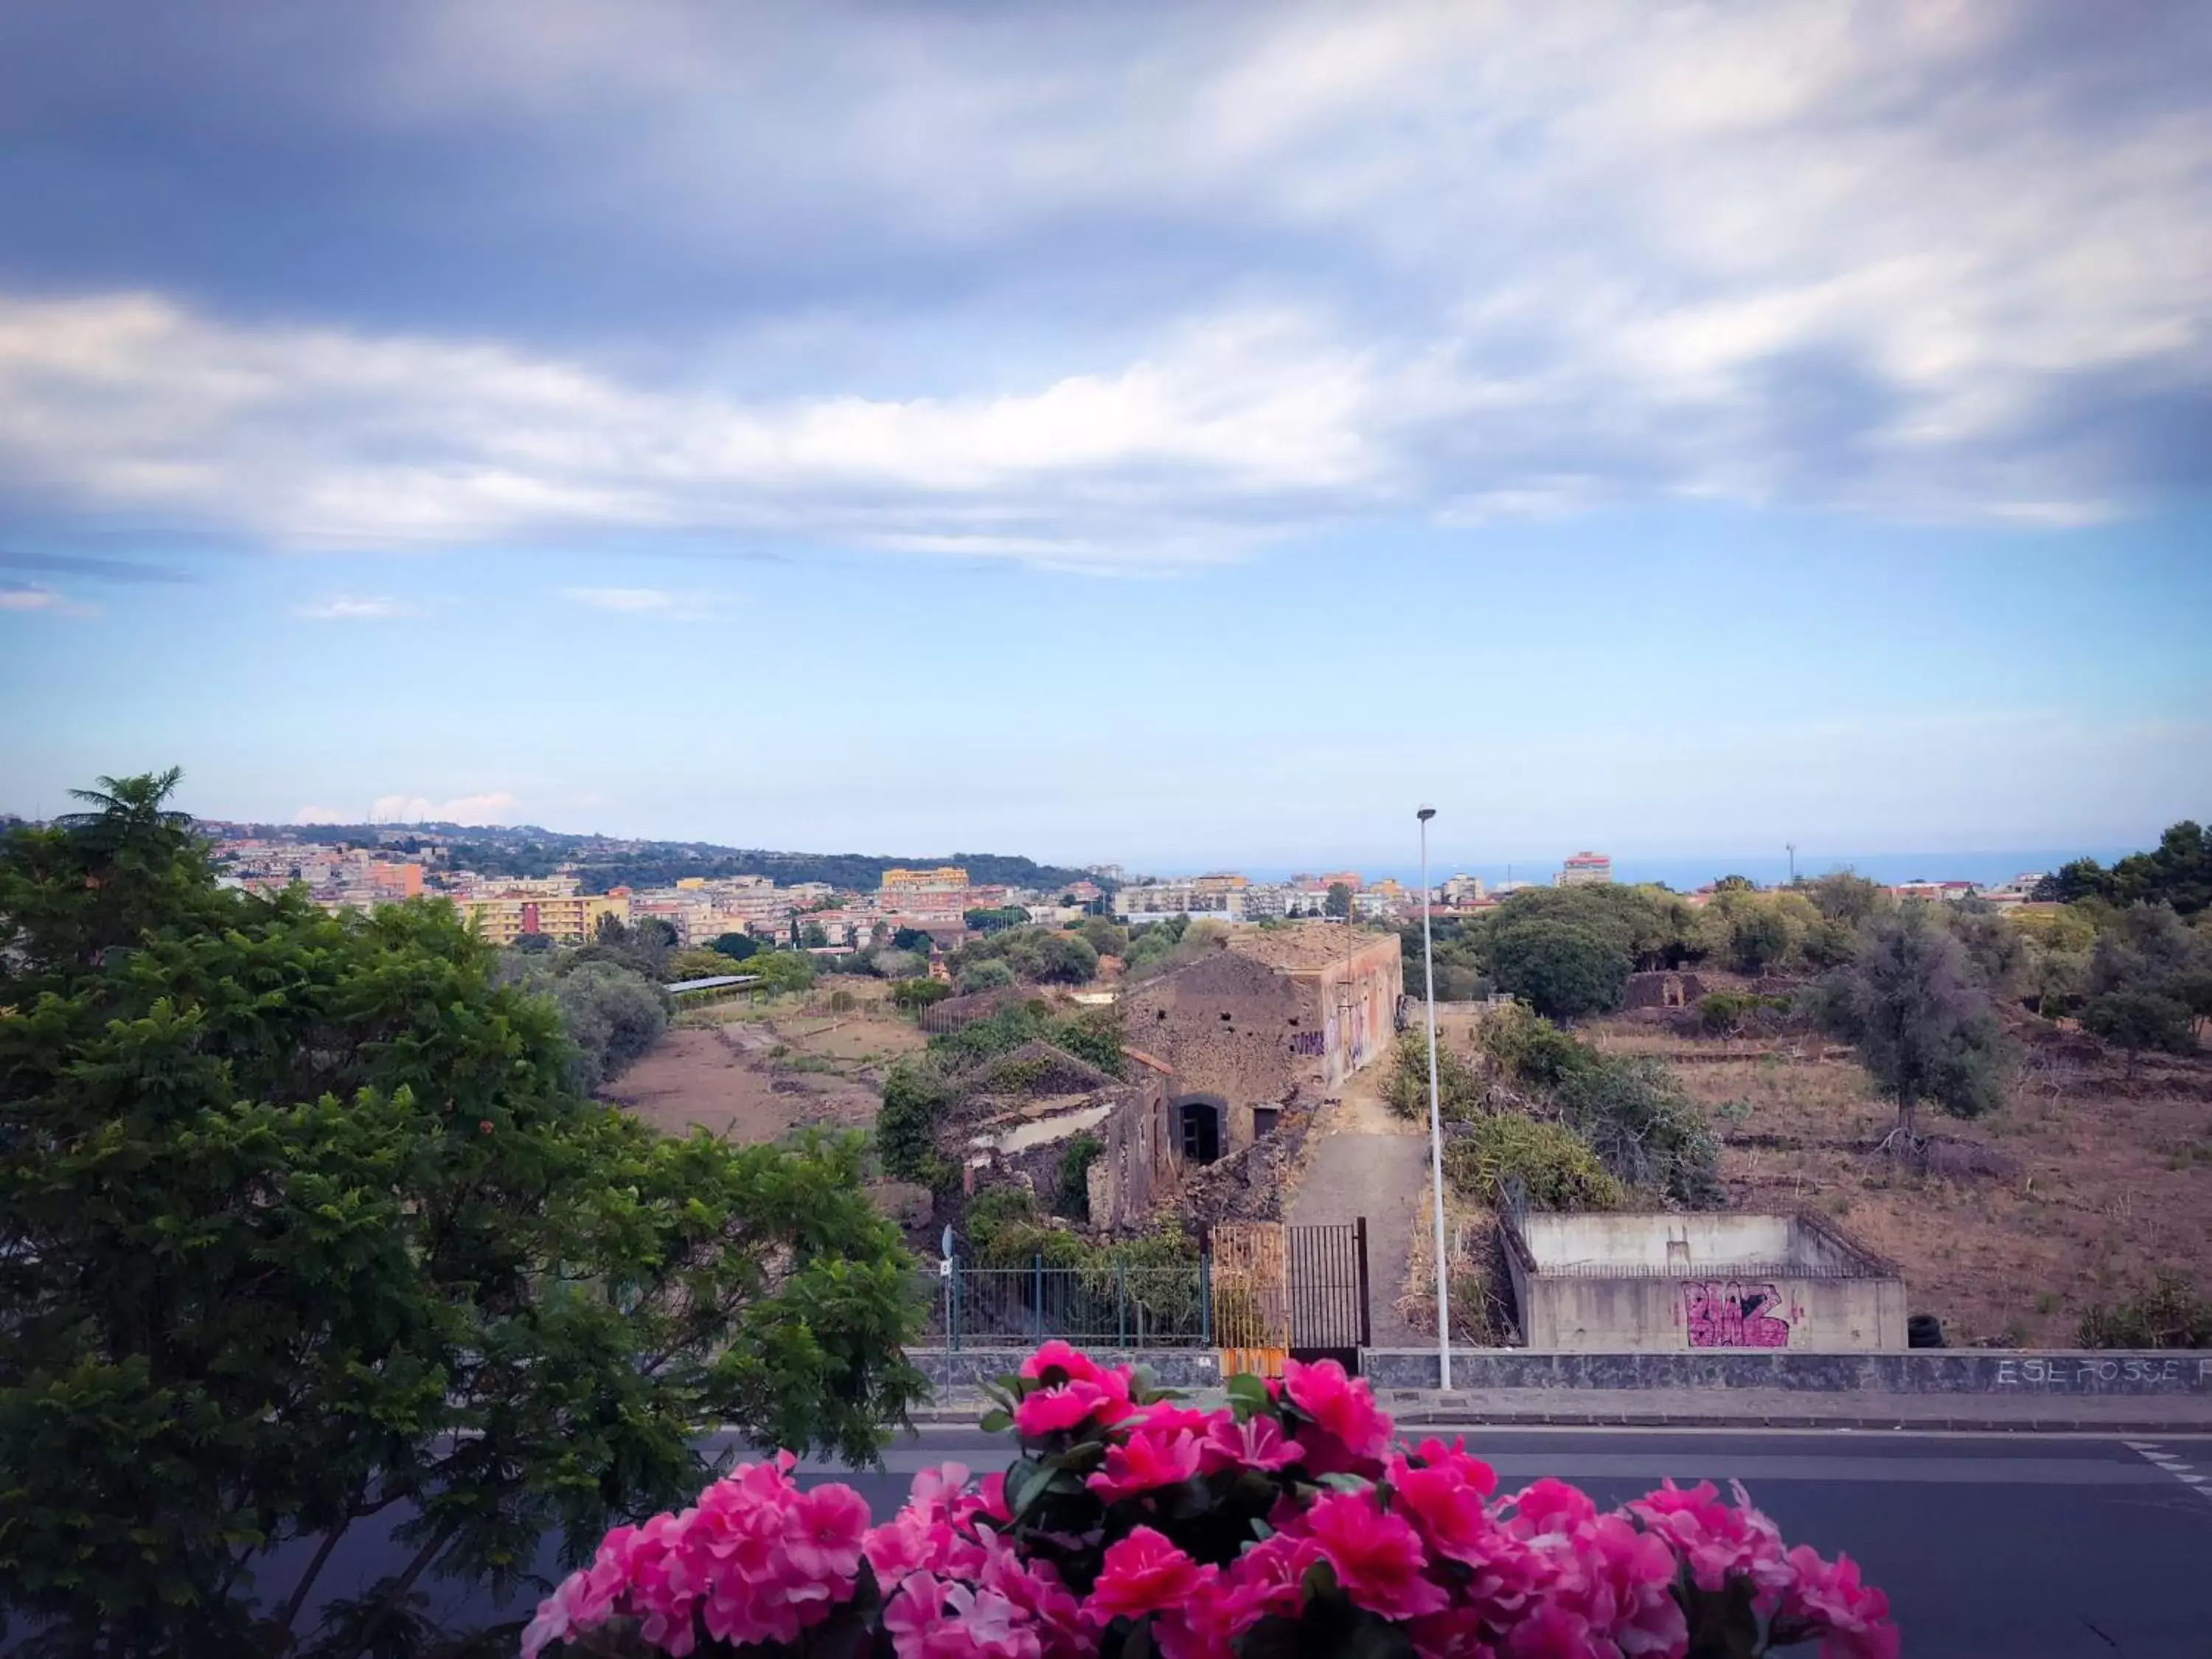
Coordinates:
[1328,1292]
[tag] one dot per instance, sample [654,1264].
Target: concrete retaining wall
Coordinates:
[1172,1368]
[1916,1371]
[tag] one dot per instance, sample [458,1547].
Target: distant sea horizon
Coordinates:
[1684,872]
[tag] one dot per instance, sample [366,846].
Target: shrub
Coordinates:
[1300,1528]
[989,975]
[612,1015]
[1073,1199]
[1094,1034]
[1725,1013]
[1460,1094]
[916,1098]
[1556,1168]
[919,993]
[1647,1131]
[2167,1315]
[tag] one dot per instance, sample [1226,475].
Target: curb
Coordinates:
[964,1415]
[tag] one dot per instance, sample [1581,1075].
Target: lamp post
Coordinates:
[1436,1119]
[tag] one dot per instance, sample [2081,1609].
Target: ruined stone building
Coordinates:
[1223,1048]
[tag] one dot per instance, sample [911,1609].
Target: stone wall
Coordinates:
[1916,1371]
[1228,1026]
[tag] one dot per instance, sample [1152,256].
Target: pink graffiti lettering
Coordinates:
[1733,1315]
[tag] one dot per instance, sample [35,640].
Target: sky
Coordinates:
[1180,436]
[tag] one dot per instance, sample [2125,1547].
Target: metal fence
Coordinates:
[1110,1304]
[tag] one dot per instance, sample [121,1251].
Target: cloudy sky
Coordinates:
[1184,434]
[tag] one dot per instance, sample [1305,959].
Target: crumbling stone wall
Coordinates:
[1229,1026]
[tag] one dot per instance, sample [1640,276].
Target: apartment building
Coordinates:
[1585,870]
[945,878]
[568,920]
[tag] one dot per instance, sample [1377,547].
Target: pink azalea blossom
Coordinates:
[823,1533]
[1376,1556]
[1256,1443]
[1165,1417]
[1349,1435]
[1266,1579]
[1853,1619]
[1443,1498]
[1145,1573]
[1629,1578]
[1714,1539]
[1146,1462]
[1050,1411]
[1074,1364]
[1552,1631]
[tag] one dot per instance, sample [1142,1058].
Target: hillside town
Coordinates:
[941,900]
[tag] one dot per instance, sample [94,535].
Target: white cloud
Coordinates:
[1930,259]
[415,809]
[29,599]
[345,608]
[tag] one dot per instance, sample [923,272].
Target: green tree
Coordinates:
[1844,896]
[1562,970]
[1735,885]
[813,936]
[611,1015]
[2134,1021]
[736,947]
[913,939]
[1338,901]
[1921,1021]
[991,974]
[301,1221]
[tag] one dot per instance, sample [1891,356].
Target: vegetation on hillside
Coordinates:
[920,1094]
[303,1222]
[1577,1128]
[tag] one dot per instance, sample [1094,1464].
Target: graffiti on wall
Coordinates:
[1733,1315]
[1308,1043]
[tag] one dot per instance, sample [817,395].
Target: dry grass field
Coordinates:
[753,1073]
[2102,1180]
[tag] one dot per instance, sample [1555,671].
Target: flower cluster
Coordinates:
[1286,1520]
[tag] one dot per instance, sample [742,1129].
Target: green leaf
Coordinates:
[997,1421]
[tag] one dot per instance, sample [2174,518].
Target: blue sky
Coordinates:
[1178,436]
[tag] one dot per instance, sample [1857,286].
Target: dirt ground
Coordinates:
[2102,1180]
[751,1074]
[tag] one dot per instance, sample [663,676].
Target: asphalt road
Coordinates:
[2040,1544]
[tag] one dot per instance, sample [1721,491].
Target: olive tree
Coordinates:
[1921,1018]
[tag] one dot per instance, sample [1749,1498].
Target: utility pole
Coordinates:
[1792,847]
[1436,1119]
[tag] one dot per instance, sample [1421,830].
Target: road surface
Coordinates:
[2074,1548]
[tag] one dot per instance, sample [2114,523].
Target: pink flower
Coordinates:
[1266,1579]
[1255,1443]
[1852,1618]
[1165,1416]
[1444,1499]
[1456,1633]
[823,1533]
[1378,1556]
[1073,1364]
[1552,1632]
[1629,1577]
[1352,1433]
[1146,1462]
[1145,1573]
[1715,1540]
[902,1545]
[1553,1507]
[1049,1410]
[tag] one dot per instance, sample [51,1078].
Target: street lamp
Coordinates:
[1436,1118]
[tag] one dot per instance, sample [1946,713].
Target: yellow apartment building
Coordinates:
[943,878]
[571,920]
